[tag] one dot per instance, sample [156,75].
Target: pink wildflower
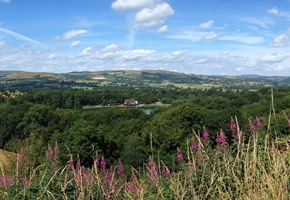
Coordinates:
[120,168]
[6,180]
[251,126]
[25,181]
[205,134]
[87,176]
[194,145]
[191,165]
[130,187]
[151,163]
[258,122]
[233,125]
[96,160]
[103,163]
[56,151]
[70,165]
[179,155]
[109,176]
[165,171]
[133,177]
[221,139]
[153,174]
[49,153]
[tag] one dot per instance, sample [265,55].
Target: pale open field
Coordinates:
[6,158]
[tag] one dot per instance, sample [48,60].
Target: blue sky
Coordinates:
[211,37]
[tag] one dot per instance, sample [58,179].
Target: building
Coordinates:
[131,102]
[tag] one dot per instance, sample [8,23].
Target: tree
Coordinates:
[171,128]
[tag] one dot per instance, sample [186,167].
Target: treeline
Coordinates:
[41,117]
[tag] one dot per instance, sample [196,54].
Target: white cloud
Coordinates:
[149,17]
[196,36]
[75,44]
[275,68]
[206,25]
[114,52]
[210,36]
[201,61]
[73,33]
[281,40]
[111,48]
[19,36]
[260,22]
[243,39]
[275,58]
[134,54]
[163,29]
[52,56]
[180,53]
[125,5]
[273,11]
[86,51]
[5,1]
[239,69]
[193,36]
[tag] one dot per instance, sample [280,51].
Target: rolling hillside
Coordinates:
[135,79]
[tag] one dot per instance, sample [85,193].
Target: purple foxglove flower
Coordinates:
[96,160]
[120,168]
[103,163]
[70,165]
[194,145]
[221,139]
[153,174]
[49,153]
[251,126]
[258,122]
[130,187]
[179,155]
[233,125]
[56,151]
[8,180]
[190,164]
[165,171]
[205,134]
[109,176]
[288,122]
[25,181]
[151,163]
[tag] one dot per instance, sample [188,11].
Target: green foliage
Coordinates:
[171,128]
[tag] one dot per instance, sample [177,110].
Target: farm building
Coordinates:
[130,102]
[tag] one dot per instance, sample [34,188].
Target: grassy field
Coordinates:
[183,85]
[6,158]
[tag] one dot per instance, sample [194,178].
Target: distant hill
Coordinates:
[134,79]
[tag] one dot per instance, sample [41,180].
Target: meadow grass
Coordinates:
[254,166]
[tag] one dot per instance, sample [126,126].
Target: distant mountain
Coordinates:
[135,79]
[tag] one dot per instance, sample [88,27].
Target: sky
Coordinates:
[210,37]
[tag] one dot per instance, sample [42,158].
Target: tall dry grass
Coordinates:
[257,168]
